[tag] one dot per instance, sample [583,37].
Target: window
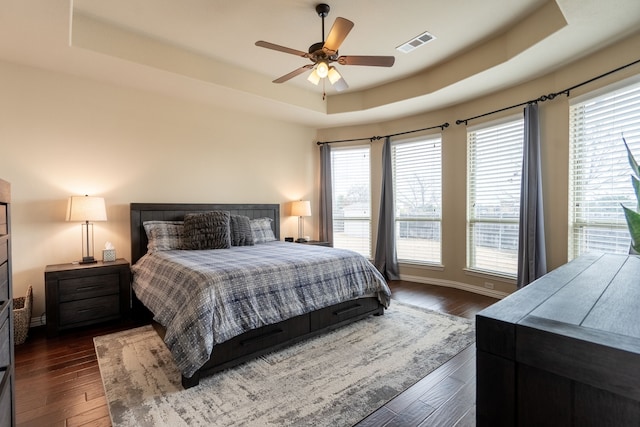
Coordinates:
[350,175]
[493,191]
[417,190]
[599,172]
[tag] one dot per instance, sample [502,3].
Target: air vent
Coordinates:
[416,42]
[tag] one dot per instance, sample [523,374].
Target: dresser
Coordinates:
[85,294]
[565,350]
[7,390]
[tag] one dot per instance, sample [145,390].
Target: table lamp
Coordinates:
[86,209]
[301,208]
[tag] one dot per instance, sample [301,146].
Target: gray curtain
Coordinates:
[386,259]
[532,255]
[326,203]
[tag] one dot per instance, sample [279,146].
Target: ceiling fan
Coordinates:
[324,53]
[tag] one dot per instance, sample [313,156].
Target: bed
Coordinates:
[290,278]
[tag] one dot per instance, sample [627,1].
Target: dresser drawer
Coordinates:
[88,287]
[3,219]
[4,282]
[89,310]
[6,400]
[5,337]
[4,249]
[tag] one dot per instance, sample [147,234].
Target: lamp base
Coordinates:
[87,260]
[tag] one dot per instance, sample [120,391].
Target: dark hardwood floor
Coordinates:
[58,381]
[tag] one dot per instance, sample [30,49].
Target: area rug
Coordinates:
[335,379]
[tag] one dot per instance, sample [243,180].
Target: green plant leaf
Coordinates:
[632,160]
[633,224]
[636,187]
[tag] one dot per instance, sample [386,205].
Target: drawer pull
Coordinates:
[88,288]
[346,310]
[262,337]
[84,310]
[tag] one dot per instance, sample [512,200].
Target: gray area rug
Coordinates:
[332,380]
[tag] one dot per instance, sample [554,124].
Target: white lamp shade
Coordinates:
[314,78]
[322,69]
[301,208]
[85,208]
[334,75]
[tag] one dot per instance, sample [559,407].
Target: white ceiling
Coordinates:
[204,49]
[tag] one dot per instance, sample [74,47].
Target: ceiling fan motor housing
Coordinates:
[322,10]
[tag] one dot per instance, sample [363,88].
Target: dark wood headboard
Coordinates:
[141,212]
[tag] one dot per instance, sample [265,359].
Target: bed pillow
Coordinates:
[262,231]
[241,234]
[207,230]
[163,235]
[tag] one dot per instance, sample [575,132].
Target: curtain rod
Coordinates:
[375,138]
[551,95]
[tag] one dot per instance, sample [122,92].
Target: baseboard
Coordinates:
[457,285]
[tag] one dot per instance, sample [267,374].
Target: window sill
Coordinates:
[422,266]
[491,275]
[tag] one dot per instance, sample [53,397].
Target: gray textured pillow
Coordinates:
[262,231]
[241,231]
[163,235]
[207,230]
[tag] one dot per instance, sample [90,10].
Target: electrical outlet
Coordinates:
[488,285]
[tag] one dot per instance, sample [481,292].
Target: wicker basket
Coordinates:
[22,316]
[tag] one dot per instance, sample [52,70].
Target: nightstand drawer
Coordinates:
[88,287]
[100,308]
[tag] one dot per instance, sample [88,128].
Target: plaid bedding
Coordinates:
[206,297]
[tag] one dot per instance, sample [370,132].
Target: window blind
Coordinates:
[493,191]
[599,172]
[417,181]
[351,180]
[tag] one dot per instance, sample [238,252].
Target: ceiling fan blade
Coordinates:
[375,61]
[340,85]
[279,48]
[293,74]
[338,33]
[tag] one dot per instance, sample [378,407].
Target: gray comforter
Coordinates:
[206,297]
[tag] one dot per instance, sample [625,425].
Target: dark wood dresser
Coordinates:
[7,398]
[564,350]
[85,294]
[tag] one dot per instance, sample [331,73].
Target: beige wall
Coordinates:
[555,156]
[63,136]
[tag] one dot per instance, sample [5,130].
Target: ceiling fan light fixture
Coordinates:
[322,69]
[333,75]
[314,77]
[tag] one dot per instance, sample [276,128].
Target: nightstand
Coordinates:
[84,294]
[316,243]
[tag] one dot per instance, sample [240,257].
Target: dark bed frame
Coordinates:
[255,343]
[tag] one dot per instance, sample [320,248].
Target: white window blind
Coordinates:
[599,172]
[351,178]
[493,190]
[417,182]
